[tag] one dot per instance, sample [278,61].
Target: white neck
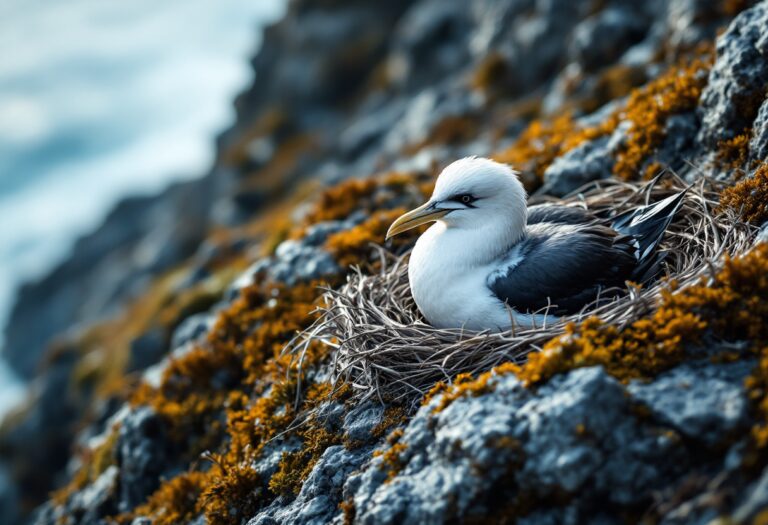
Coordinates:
[472,247]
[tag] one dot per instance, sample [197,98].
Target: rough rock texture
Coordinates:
[158,370]
[737,82]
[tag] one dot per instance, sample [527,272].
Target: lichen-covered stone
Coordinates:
[141,455]
[737,81]
[590,161]
[576,435]
[357,94]
[702,402]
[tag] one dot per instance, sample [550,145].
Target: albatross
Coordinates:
[490,262]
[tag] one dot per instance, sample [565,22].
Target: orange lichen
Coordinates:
[340,201]
[734,7]
[348,511]
[614,83]
[391,460]
[295,466]
[464,385]
[732,153]
[233,495]
[353,246]
[648,109]
[174,502]
[393,416]
[749,197]
[543,141]
[451,130]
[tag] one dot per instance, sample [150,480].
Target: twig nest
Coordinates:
[383,347]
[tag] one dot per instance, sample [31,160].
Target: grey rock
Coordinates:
[703,402]
[754,501]
[758,145]
[191,328]
[429,41]
[679,141]
[737,81]
[602,38]
[318,501]
[295,261]
[585,163]
[690,22]
[142,456]
[359,421]
[578,435]
[147,349]
[9,497]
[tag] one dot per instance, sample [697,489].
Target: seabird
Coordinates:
[490,262]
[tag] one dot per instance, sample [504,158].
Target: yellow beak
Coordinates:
[421,215]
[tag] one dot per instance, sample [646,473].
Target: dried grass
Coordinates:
[383,348]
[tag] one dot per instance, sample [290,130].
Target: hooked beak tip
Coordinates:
[421,215]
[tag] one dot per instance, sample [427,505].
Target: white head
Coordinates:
[473,194]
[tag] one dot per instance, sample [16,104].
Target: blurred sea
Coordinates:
[104,98]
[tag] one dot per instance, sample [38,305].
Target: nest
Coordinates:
[383,347]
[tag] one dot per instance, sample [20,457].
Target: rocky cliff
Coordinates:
[161,391]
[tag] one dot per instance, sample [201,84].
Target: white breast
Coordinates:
[450,287]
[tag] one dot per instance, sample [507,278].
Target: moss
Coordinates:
[732,154]
[649,108]
[234,495]
[94,462]
[749,197]
[646,111]
[294,467]
[176,501]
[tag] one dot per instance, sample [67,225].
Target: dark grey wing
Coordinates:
[555,214]
[563,266]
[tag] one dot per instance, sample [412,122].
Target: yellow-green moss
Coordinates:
[749,197]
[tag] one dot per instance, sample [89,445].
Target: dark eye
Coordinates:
[466,198]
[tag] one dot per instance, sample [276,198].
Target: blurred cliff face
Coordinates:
[103,99]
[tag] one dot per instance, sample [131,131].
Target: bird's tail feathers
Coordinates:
[646,226]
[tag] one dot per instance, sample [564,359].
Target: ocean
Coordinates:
[100,99]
